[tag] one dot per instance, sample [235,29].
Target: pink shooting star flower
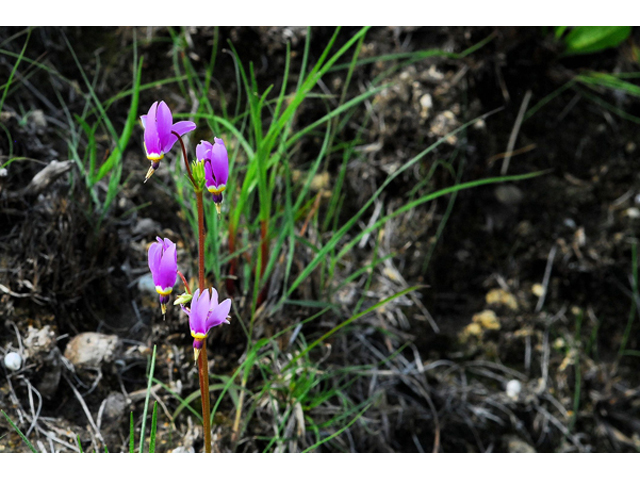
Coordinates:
[158,137]
[163,263]
[216,167]
[204,314]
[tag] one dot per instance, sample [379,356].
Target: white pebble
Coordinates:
[514,387]
[13,361]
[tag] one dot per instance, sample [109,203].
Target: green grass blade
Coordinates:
[15,427]
[146,400]
[154,428]
[13,70]
[131,434]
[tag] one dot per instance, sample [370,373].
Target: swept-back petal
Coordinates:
[151,138]
[168,271]
[203,150]
[218,315]
[183,127]
[214,299]
[195,323]
[155,256]
[165,121]
[220,162]
[199,312]
[180,128]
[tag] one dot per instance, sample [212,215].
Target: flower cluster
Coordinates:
[160,134]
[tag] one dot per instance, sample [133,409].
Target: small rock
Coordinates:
[146,284]
[538,290]
[114,407]
[487,319]
[516,445]
[426,103]
[13,361]
[632,212]
[91,349]
[497,296]
[509,194]
[183,450]
[513,389]
[146,226]
[38,119]
[470,331]
[39,341]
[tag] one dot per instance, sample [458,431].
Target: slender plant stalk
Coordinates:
[203,374]
[203,362]
[201,237]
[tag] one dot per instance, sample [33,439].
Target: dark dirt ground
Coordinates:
[529,282]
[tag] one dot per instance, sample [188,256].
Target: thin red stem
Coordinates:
[184,280]
[184,156]
[203,363]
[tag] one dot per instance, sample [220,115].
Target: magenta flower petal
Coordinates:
[205,313]
[183,127]
[199,311]
[203,151]
[168,271]
[151,137]
[158,133]
[219,314]
[163,263]
[216,167]
[220,162]
[164,122]
[155,256]
[214,299]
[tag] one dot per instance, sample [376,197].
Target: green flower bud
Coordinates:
[183,299]
[197,170]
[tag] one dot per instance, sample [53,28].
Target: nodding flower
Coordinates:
[216,167]
[163,263]
[158,137]
[204,314]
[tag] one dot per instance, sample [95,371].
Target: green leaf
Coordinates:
[593,39]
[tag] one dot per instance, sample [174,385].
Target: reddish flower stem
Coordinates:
[184,157]
[184,281]
[203,362]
